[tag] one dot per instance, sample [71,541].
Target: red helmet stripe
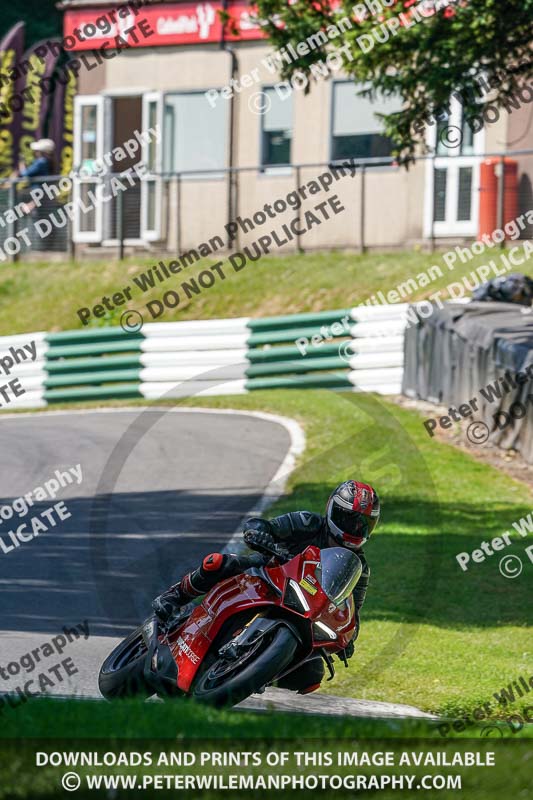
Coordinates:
[367,510]
[357,541]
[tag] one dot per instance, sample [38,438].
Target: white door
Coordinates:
[151,182]
[452,177]
[88,149]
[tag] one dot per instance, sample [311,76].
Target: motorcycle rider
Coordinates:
[352,513]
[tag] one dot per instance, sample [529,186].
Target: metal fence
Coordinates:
[384,206]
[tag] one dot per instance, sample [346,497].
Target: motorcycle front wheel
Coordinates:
[226,682]
[122,673]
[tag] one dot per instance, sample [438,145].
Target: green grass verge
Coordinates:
[45,296]
[178,718]
[42,718]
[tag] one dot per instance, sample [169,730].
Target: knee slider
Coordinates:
[309,689]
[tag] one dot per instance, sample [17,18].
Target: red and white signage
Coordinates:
[171,23]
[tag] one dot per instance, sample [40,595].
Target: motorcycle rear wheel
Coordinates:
[224,683]
[122,673]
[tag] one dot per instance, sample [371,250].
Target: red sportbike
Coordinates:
[256,629]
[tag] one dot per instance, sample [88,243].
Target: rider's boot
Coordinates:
[214,568]
[192,585]
[169,603]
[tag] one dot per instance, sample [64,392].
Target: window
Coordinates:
[88,147]
[452,179]
[464,195]
[195,134]
[458,137]
[88,136]
[467,138]
[445,136]
[276,136]
[357,132]
[151,148]
[151,183]
[439,202]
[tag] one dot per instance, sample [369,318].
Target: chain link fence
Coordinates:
[383,206]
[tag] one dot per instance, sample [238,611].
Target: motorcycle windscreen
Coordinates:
[340,571]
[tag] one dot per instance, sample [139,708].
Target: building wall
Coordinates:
[520,137]
[393,196]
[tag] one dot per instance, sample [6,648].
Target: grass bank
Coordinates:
[45,296]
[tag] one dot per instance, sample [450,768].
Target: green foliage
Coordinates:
[423,63]
[42,18]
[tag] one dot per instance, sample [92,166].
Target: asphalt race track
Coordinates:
[159,491]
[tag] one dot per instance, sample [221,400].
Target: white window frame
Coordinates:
[80,102]
[452,163]
[152,234]
[271,169]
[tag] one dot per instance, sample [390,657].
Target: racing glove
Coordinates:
[259,540]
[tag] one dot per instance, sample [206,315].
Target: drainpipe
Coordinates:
[232,186]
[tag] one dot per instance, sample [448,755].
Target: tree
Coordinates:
[424,54]
[43,20]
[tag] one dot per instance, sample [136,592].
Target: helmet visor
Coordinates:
[352,522]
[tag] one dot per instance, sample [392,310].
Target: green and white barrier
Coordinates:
[359,349]
[26,374]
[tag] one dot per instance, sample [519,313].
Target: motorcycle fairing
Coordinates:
[190,643]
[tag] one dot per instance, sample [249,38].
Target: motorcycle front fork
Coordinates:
[328,658]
